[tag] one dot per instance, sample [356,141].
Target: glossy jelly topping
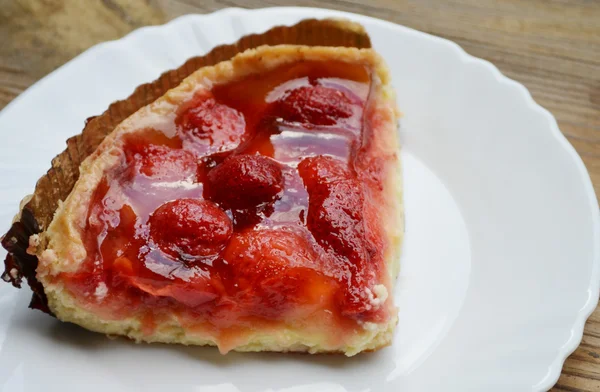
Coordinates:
[253,210]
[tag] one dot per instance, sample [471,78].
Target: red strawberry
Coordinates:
[244,181]
[316,105]
[335,206]
[322,169]
[190,229]
[211,126]
[273,272]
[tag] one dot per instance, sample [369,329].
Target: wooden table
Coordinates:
[551,46]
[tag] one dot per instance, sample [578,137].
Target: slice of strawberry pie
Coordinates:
[255,207]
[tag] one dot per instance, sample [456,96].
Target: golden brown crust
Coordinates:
[37,212]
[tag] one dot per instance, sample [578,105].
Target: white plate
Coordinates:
[501,260]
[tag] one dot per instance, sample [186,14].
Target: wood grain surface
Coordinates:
[551,46]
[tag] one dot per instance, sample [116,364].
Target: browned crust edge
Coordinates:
[37,213]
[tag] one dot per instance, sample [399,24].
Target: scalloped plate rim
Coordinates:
[594,288]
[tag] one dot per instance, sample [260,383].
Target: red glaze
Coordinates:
[255,211]
[275,271]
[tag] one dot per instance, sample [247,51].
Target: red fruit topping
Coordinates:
[335,206]
[122,265]
[317,105]
[244,181]
[322,169]
[268,252]
[213,124]
[122,229]
[211,221]
[161,163]
[273,271]
[190,229]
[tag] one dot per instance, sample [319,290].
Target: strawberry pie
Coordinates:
[254,207]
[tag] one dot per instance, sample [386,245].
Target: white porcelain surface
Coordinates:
[500,264]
